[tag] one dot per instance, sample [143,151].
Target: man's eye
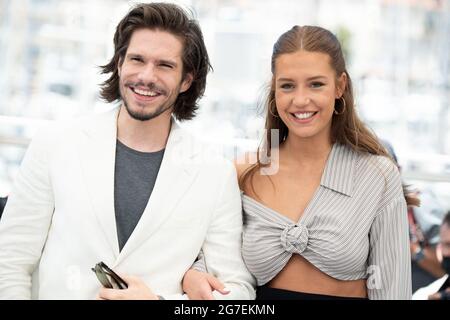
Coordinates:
[136,59]
[286,86]
[165,65]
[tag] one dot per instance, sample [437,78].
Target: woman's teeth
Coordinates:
[304,115]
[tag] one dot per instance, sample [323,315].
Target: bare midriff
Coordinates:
[301,276]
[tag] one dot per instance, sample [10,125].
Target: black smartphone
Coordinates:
[107,277]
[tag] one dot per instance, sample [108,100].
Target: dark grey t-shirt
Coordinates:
[134,179]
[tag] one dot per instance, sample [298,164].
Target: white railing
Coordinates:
[28,123]
[22,121]
[14,141]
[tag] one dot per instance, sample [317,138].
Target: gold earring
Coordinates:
[271,112]
[343,108]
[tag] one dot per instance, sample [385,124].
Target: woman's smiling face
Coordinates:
[306,88]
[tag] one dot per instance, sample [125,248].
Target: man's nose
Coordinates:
[147,74]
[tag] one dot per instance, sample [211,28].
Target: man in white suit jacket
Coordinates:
[59,220]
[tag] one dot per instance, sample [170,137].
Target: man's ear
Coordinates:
[341,84]
[119,65]
[187,81]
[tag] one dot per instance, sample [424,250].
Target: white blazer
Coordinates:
[59,220]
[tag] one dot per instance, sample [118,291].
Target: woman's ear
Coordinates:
[341,84]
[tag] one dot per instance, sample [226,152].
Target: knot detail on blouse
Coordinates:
[294,238]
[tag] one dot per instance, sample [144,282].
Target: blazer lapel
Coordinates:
[175,177]
[97,156]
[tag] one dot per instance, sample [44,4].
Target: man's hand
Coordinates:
[137,290]
[440,295]
[199,285]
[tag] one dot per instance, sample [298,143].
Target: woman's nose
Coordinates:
[301,99]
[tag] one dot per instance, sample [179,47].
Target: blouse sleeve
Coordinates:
[200,264]
[389,264]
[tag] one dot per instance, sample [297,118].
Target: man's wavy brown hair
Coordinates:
[173,19]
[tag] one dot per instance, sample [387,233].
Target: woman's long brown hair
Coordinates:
[346,128]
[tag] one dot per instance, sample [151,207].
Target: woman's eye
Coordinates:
[317,84]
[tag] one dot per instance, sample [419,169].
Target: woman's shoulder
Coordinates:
[379,165]
[244,162]
[380,171]
[367,164]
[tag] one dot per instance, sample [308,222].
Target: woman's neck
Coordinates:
[305,151]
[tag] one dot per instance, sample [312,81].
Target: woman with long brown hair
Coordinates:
[331,220]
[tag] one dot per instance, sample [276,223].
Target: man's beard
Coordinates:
[145,116]
[142,116]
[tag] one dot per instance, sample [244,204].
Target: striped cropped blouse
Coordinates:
[354,227]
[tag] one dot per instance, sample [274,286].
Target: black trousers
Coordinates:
[267,293]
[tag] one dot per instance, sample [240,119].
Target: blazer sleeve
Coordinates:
[26,220]
[221,252]
[389,259]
